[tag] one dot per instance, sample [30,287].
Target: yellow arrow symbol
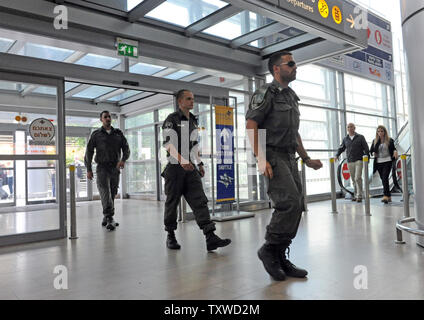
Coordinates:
[351,21]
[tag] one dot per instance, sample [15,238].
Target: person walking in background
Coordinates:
[108,142]
[384,150]
[356,147]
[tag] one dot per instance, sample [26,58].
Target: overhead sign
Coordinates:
[42,131]
[376,61]
[339,15]
[224,119]
[127,48]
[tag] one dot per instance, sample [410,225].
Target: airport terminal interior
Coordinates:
[63,62]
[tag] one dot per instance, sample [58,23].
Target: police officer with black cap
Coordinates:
[180,132]
[108,143]
[275,108]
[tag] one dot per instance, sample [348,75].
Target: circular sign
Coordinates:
[399,169]
[41,130]
[345,172]
[323,8]
[337,14]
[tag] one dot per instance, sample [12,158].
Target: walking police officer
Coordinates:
[275,107]
[108,143]
[181,176]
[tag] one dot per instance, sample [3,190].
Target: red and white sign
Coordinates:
[380,38]
[345,172]
[41,130]
[399,169]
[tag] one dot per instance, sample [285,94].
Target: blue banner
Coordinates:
[224,119]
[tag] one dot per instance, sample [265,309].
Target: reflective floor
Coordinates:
[133,262]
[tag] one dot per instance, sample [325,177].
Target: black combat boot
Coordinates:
[289,268]
[104,221]
[171,241]
[268,253]
[214,242]
[111,224]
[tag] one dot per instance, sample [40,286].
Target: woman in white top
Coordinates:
[383,148]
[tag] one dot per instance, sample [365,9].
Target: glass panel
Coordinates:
[46,90]
[139,120]
[131,4]
[178,75]
[5,44]
[363,95]
[41,183]
[13,86]
[6,143]
[318,181]
[75,151]
[93,92]
[45,52]
[313,84]
[70,85]
[142,143]
[365,124]
[142,177]
[73,121]
[184,13]
[6,182]
[164,112]
[97,61]
[126,94]
[276,38]
[238,25]
[144,68]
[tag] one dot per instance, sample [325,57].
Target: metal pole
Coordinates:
[237,157]
[212,156]
[72,202]
[399,239]
[333,186]
[405,186]
[367,185]
[305,202]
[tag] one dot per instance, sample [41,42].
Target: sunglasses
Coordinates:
[291,63]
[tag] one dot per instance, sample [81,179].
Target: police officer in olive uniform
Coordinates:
[275,107]
[180,132]
[108,143]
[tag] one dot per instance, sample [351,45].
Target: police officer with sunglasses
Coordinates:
[275,108]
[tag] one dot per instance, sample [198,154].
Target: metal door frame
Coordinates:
[58,82]
[13,203]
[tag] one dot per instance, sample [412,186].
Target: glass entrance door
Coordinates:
[7,170]
[32,159]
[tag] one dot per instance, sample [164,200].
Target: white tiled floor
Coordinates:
[134,263]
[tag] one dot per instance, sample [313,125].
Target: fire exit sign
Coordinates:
[127,48]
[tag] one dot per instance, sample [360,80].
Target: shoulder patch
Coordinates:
[258,98]
[168,125]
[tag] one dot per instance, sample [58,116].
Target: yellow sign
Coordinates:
[337,14]
[224,115]
[323,9]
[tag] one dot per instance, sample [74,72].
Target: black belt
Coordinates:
[282,150]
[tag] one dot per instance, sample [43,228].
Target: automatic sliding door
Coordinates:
[32,169]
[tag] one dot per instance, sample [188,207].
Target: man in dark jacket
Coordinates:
[356,147]
[108,143]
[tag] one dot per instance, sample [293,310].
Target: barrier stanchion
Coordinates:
[72,202]
[305,202]
[333,186]
[365,160]
[405,189]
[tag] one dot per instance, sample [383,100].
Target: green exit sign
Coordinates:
[127,48]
